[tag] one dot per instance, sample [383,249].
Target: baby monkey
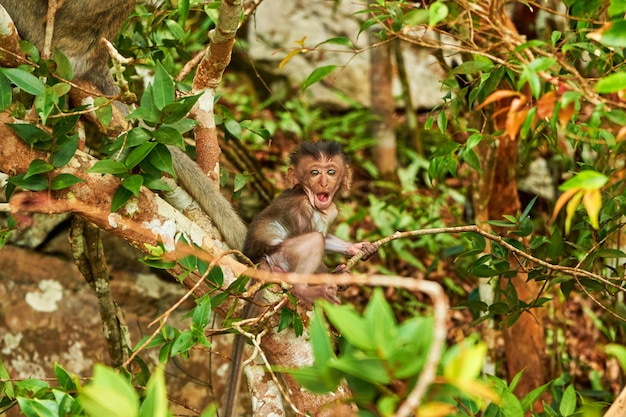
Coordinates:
[291,234]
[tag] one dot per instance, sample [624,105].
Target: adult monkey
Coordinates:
[79,25]
[292,234]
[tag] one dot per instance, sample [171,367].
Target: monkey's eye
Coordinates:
[314,172]
[332,172]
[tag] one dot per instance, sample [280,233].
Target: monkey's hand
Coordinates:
[368,248]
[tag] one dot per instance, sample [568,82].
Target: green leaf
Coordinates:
[30,134]
[183,343]
[381,323]
[64,66]
[121,196]
[65,379]
[351,325]
[155,403]
[343,41]
[161,158]
[24,80]
[6,387]
[320,339]
[202,312]
[108,166]
[317,75]
[38,167]
[568,401]
[233,127]
[437,12]
[139,153]
[367,369]
[104,111]
[286,318]
[34,183]
[137,136]
[533,396]
[472,67]
[613,349]
[6,94]
[46,103]
[168,136]
[65,152]
[183,11]
[174,112]
[163,88]
[133,183]
[35,407]
[176,29]
[611,83]
[615,36]
[316,380]
[62,181]
[587,180]
[109,395]
[416,17]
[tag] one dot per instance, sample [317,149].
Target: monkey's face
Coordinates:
[321,179]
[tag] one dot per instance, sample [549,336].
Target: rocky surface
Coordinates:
[49,314]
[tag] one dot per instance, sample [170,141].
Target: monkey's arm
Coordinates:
[338,245]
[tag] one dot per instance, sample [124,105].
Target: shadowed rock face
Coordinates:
[49,314]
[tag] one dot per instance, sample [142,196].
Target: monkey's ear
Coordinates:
[347,178]
[292,177]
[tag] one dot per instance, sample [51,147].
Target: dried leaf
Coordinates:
[514,120]
[566,113]
[498,95]
[545,105]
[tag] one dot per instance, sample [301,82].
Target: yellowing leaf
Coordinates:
[592,201]
[435,409]
[288,58]
[468,364]
[570,209]
[563,198]
[477,389]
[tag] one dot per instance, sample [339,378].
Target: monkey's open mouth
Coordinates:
[322,197]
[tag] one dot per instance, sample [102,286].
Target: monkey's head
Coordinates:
[321,169]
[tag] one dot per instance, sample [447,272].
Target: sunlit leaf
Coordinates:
[436,409]
[155,403]
[318,74]
[611,34]
[568,401]
[109,395]
[611,83]
[587,180]
[438,11]
[592,201]
[24,80]
[570,209]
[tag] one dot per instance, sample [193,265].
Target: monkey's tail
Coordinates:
[214,204]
